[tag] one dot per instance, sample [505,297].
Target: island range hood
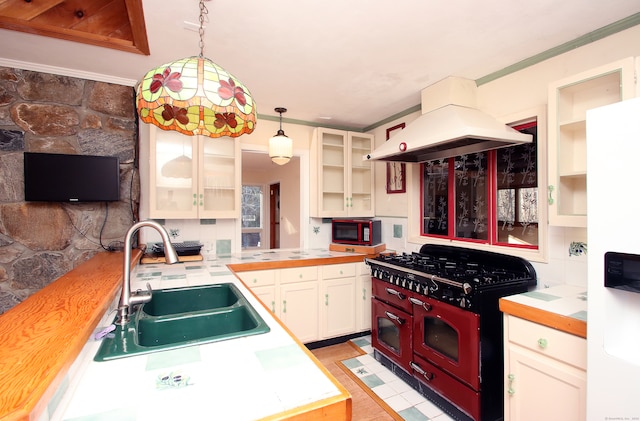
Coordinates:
[450,125]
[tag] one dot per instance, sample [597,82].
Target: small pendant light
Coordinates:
[280,146]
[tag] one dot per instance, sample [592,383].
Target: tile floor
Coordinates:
[408,403]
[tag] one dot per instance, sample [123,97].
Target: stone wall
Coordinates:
[39,112]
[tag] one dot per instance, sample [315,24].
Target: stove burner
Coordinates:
[453,274]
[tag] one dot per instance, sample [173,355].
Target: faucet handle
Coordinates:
[141,297]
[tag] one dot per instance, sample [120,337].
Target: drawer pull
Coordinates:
[398,294]
[542,343]
[510,389]
[415,301]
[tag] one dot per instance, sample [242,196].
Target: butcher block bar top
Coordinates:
[44,335]
[561,307]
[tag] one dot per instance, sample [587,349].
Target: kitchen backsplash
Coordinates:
[568,247]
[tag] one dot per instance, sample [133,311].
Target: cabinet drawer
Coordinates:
[343,270]
[305,273]
[554,343]
[256,278]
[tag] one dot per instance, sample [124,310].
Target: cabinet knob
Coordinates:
[542,343]
[551,188]
[510,389]
[326,299]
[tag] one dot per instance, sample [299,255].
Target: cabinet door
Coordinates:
[360,183]
[173,175]
[363,298]
[268,296]
[332,166]
[338,307]
[299,309]
[541,388]
[569,100]
[219,192]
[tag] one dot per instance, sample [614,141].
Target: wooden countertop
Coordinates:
[563,311]
[42,336]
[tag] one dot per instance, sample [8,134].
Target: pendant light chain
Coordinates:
[203,11]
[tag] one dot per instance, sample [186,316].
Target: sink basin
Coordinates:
[181,317]
[186,300]
[228,323]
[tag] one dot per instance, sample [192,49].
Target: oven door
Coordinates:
[391,333]
[448,337]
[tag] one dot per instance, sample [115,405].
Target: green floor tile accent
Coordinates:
[372,381]
[412,414]
[352,363]
[172,277]
[360,342]
[397,231]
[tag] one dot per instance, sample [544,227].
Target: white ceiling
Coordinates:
[335,62]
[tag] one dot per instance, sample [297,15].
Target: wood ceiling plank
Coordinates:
[116,24]
[20,9]
[138,25]
[69,13]
[105,21]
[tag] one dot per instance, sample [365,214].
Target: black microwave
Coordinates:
[359,232]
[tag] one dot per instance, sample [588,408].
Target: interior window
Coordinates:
[252,212]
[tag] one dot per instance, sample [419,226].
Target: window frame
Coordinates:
[415,240]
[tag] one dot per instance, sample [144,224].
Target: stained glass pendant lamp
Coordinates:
[195,96]
[280,146]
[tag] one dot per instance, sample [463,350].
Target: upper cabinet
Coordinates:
[193,176]
[569,100]
[341,181]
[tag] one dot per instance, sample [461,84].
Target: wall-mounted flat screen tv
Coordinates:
[71,178]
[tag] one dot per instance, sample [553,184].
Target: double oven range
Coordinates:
[436,323]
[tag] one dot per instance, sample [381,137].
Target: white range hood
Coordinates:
[449,126]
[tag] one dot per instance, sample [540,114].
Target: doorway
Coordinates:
[274,216]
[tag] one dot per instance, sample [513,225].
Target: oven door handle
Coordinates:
[396,293]
[395,318]
[417,302]
[428,376]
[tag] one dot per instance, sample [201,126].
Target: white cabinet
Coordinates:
[363,297]
[569,100]
[316,302]
[338,294]
[292,295]
[299,300]
[343,180]
[545,373]
[193,176]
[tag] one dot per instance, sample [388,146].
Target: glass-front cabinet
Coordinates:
[194,176]
[569,100]
[343,184]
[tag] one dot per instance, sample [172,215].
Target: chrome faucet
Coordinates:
[127,299]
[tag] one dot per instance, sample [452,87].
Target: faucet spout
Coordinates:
[127,299]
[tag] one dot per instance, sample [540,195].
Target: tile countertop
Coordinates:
[562,307]
[241,379]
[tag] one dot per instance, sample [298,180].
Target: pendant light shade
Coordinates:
[195,96]
[280,146]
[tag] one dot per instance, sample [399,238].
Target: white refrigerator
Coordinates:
[613,212]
